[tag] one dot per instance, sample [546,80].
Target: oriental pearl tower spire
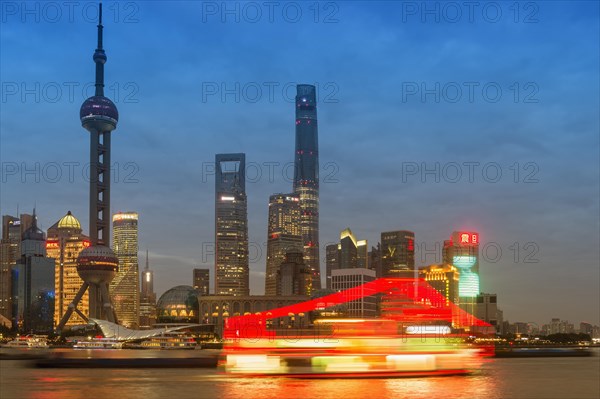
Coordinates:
[97,264]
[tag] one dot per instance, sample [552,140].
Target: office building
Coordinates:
[462,251]
[283,235]
[306,176]
[33,284]
[365,302]
[125,287]
[202,281]
[350,253]
[398,254]
[486,309]
[64,243]
[294,276]
[444,278]
[147,298]
[332,261]
[10,252]
[232,271]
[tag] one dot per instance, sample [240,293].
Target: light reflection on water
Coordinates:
[500,378]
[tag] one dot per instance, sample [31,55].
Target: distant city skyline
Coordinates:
[376,148]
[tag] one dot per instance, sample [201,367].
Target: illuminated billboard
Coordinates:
[468,284]
[465,238]
[468,281]
[464,261]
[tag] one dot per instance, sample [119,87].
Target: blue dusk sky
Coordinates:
[433,117]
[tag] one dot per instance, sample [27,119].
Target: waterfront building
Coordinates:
[215,309]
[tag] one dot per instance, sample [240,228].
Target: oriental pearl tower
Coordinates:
[97,264]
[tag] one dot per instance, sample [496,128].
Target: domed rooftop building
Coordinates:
[178,305]
[69,222]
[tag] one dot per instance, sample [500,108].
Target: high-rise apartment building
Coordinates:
[306,176]
[283,236]
[125,287]
[232,274]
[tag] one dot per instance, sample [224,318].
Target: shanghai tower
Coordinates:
[306,177]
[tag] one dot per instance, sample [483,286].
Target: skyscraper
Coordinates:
[294,276]
[97,265]
[332,262]
[306,176]
[147,297]
[283,235]
[353,252]
[232,274]
[462,251]
[33,284]
[9,253]
[398,254]
[202,281]
[125,287]
[65,242]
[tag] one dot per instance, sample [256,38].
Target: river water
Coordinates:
[546,378]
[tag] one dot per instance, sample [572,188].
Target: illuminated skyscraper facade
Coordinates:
[64,243]
[306,176]
[147,298]
[462,251]
[350,253]
[398,254]
[125,287]
[444,278]
[232,274]
[283,236]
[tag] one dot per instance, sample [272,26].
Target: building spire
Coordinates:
[100,57]
[147,264]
